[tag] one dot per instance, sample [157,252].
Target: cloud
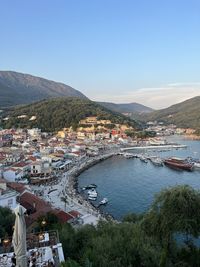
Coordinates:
[158,97]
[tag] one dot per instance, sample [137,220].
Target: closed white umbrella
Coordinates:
[19,237]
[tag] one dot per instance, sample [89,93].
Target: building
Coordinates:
[7,196]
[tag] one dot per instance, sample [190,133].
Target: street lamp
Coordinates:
[6,242]
[43,223]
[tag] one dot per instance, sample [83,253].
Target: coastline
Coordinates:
[71,188]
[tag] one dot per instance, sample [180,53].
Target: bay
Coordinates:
[130,184]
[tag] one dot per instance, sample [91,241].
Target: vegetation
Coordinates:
[149,240]
[140,134]
[185,114]
[55,114]
[7,219]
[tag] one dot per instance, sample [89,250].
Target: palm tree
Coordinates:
[65,200]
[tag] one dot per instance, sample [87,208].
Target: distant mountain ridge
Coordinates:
[185,114]
[126,107]
[18,88]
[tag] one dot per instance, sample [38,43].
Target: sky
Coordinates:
[122,51]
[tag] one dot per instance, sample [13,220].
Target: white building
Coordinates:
[12,175]
[7,196]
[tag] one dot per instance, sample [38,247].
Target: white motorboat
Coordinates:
[93,195]
[157,161]
[92,191]
[128,155]
[144,159]
[104,201]
[196,165]
[92,198]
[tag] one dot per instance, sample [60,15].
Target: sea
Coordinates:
[131,184]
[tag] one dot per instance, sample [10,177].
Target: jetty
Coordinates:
[153,147]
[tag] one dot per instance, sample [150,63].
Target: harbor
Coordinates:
[131,183]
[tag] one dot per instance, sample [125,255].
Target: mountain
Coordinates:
[18,88]
[126,108]
[56,113]
[185,114]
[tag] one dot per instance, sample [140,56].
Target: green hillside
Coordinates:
[54,114]
[185,114]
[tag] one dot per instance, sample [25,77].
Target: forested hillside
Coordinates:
[54,114]
[185,114]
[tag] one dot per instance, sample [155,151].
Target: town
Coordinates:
[38,169]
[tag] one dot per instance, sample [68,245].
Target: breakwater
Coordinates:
[154,147]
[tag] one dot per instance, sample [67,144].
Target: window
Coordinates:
[10,202]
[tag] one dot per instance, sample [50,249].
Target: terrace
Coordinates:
[42,248]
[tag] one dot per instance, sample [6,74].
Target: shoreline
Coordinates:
[72,186]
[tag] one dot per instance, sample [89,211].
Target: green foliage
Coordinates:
[132,217]
[185,114]
[140,134]
[174,211]
[7,220]
[57,113]
[50,219]
[147,240]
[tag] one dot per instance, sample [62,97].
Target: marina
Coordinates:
[130,184]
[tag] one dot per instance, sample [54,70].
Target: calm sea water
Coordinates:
[130,184]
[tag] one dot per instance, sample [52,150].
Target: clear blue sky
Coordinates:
[108,49]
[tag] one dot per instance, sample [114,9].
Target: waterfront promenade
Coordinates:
[66,189]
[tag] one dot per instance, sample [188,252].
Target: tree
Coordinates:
[7,219]
[65,200]
[174,211]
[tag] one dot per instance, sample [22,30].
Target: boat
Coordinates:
[90,186]
[104,201]
[128,155]
[156,161]
[179,163]
[91,191]
[92,198]
[93,194]
[197,165]
[143,158]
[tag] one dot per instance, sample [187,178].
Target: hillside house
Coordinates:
[7,196]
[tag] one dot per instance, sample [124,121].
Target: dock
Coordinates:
[153,147]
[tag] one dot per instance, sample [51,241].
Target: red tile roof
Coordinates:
[16,186]
[28,199]
[20,164]
[74,213]
[63,216]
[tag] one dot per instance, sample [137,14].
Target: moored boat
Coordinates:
[128,155]
[90,186]
[197,165]
[156,161]
[92,198]
[104,201]
[144,159]
[179,163]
